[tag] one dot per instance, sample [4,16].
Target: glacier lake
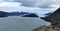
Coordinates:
[17,23]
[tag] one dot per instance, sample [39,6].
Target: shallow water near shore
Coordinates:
[17,23]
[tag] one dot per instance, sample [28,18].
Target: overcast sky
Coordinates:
[37,6]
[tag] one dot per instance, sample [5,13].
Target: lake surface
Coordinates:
[17,23]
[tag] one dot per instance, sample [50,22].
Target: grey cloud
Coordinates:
[36,3]
[9,0]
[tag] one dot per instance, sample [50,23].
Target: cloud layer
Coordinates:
[37,6]
[39,3]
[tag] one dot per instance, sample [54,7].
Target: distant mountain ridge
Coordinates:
[30,15]
[48,13]
[17,13]
[5,14]
[24,14]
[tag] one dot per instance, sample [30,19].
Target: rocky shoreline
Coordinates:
[47,28]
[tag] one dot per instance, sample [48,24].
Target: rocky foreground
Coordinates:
[47,28]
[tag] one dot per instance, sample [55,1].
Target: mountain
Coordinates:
[5,14]
[23,14]
[16,13]
[54,18]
